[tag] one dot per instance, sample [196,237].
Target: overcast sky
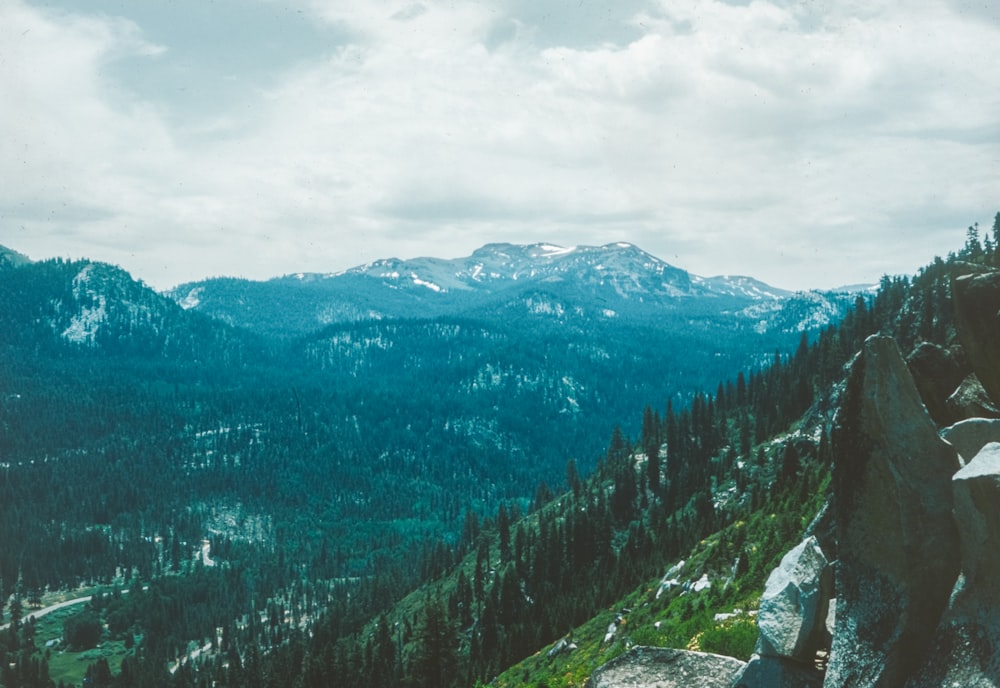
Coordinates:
[807,143]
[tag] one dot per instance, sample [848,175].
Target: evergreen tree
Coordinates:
[573,477]
[503,530]
[653,467]
[433,661]
[996,240]
[481,571]
[383,665]
[15,612]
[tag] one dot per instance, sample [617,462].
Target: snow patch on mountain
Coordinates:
[83,326]
[552,249]
[423,283]
[192,300]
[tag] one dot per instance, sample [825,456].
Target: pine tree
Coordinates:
[573,477]
[15,612]
[996,240]
[383,664]
[503,529]
[434,659]
[481,571]
[653,468]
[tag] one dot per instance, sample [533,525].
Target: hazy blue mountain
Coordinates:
[584,283]
[396,390]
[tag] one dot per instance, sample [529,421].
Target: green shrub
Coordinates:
[734,637]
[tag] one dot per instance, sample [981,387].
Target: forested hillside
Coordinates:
[283,513]
[682,523]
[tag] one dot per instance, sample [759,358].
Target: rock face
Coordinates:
[897,543]
[937,375]
[971,435]
[976,297]
[654,667]
[966,648]
[793,609]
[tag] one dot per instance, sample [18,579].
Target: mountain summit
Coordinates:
[623,265]
[500,279]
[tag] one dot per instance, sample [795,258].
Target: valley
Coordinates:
[398,488]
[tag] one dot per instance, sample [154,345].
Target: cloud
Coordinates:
[807,144]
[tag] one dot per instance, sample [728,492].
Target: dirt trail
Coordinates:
[37,613]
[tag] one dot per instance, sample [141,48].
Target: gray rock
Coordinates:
[778,672]
[563,645]
[795,603]
[977,510]
[971,401]
[937,375]
[966,647]
[657,667]
[976,297]
[971,435]
[897,542]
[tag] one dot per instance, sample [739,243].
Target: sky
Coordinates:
[808,144]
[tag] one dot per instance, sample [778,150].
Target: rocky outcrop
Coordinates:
[793,609]
[976,297]
[966,648]
[971,435]
[913,527]
[656,667]
[792,621]
[937,375]
[897,543]
[977,511]
[971,401]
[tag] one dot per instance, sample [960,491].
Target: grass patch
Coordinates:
[67,666]
[70,667]
[735,637]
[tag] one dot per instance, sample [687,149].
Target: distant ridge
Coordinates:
[9,256]
[499,279]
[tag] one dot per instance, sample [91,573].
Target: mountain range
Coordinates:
[531,354]
[578,284]
[339,440]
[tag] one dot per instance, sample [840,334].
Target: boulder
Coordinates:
[971,401]
[971,435]
[976,297]
[937,375]
[897,543]
[778,672]
[563,645]
[977,511]
[664,668]
[794,606]
[966,647]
